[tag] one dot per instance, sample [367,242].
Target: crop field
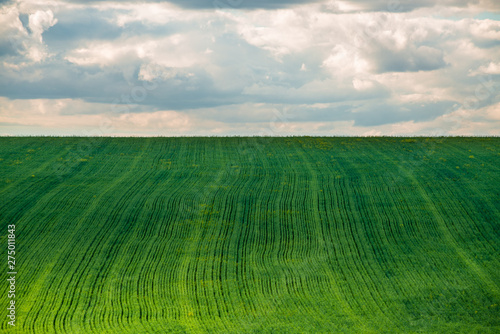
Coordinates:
[251,235]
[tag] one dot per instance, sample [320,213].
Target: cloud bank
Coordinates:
[250,67]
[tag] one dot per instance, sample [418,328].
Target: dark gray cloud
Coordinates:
[413,59]
[385,113]
[374,114]
[84,24]
[330,114]
[7,48]
[243,4]
[367,5]
[406,5]
[24,18]
[63,79]
[224,4]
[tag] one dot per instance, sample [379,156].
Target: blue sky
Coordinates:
[242,67]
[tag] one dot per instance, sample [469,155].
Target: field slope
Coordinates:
[252,235]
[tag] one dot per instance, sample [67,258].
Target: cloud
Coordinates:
[335,5]
[25,40]
[76,26]
[223,4]
[328,63]
[380,114]
[12,32]
[487,69]
[405,5]
[51,117]
[39,22]
[491,68]
[422,58]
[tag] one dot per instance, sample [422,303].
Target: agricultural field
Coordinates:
[252,235]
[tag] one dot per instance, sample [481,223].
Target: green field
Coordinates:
[252,235]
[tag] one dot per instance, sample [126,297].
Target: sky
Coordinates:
[250,67]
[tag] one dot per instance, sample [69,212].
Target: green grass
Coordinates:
[252,235]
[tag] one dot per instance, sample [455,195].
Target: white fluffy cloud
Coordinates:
[25,40]
[39,22]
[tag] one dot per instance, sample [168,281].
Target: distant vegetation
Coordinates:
[253,235]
